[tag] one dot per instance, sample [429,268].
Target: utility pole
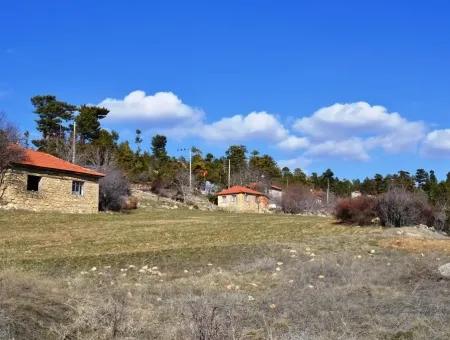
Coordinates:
[190,166]
[190,169]
[229,173]
[74,139]
[328,190]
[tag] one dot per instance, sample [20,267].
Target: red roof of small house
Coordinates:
[276,187]
[239,189]
[45,161]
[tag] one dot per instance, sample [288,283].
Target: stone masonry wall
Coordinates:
[249,203]
[54,194]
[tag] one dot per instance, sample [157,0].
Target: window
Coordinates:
[224,198]
[246,197]
[233,198]
[77,188]
[33,183]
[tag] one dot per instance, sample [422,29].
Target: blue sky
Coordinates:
[358,87]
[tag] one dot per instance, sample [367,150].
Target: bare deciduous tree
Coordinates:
[114,188]
[300,199]
[399,207]
[10,150]
[181,183]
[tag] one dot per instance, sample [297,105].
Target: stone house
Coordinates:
[240,198]
[42,182]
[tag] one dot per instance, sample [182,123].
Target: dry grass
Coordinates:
[219,276]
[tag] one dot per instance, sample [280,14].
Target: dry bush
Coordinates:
[30,307]
[359,210]
[399,207]
[114,189]
[10,151]
[299,199]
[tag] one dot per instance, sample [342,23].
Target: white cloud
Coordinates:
[293,163]
[351,130]
[236,128]
[294,143]
[350,149]
[437,142]
[160,107]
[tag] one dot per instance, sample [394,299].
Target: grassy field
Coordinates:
[188,274]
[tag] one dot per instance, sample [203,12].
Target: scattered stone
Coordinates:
[93,269]
[312,255]
[129,295]
[310,286]
[291,281]
[158,299]
[123,269]
[131,266]
[388,264]
[444,270]
[372,251]
[280,263]
[272,306]
[321,277]
[142,271]
[155,268]
[107,267]
[209,264]
[251,298]
[278,269]
[253,284]
[308,249]
[185,271]
[230,286]
[293,251]
[83,273]
[359,256]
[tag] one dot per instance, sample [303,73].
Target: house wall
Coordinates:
[54,194]
[250,204]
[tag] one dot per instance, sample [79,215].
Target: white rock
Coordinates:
[273,306]
[251,298]
[186,271]
[321,277]
[93,269]
[291,281]
[280,263]
[310,286]
[293,251]
[372,251]
[444,270]
[155,268]
[278,269]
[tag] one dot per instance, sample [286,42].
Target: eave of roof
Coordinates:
[44,160]
[238,189]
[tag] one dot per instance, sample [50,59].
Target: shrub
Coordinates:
[114,189]
[299,199]
[359,210]
[399,207]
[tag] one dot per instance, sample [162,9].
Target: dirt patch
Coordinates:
[417,245]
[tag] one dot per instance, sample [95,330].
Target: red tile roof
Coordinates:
[238,189]
[44,160]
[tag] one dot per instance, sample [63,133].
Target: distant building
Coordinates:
[240,198]
[42,182]
[355,194]
[273,192]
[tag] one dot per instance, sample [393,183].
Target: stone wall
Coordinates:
[54,193]
[243,202]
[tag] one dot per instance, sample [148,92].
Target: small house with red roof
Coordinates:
[240,198]
[42,182]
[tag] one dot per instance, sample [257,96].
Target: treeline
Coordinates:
[149,162]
